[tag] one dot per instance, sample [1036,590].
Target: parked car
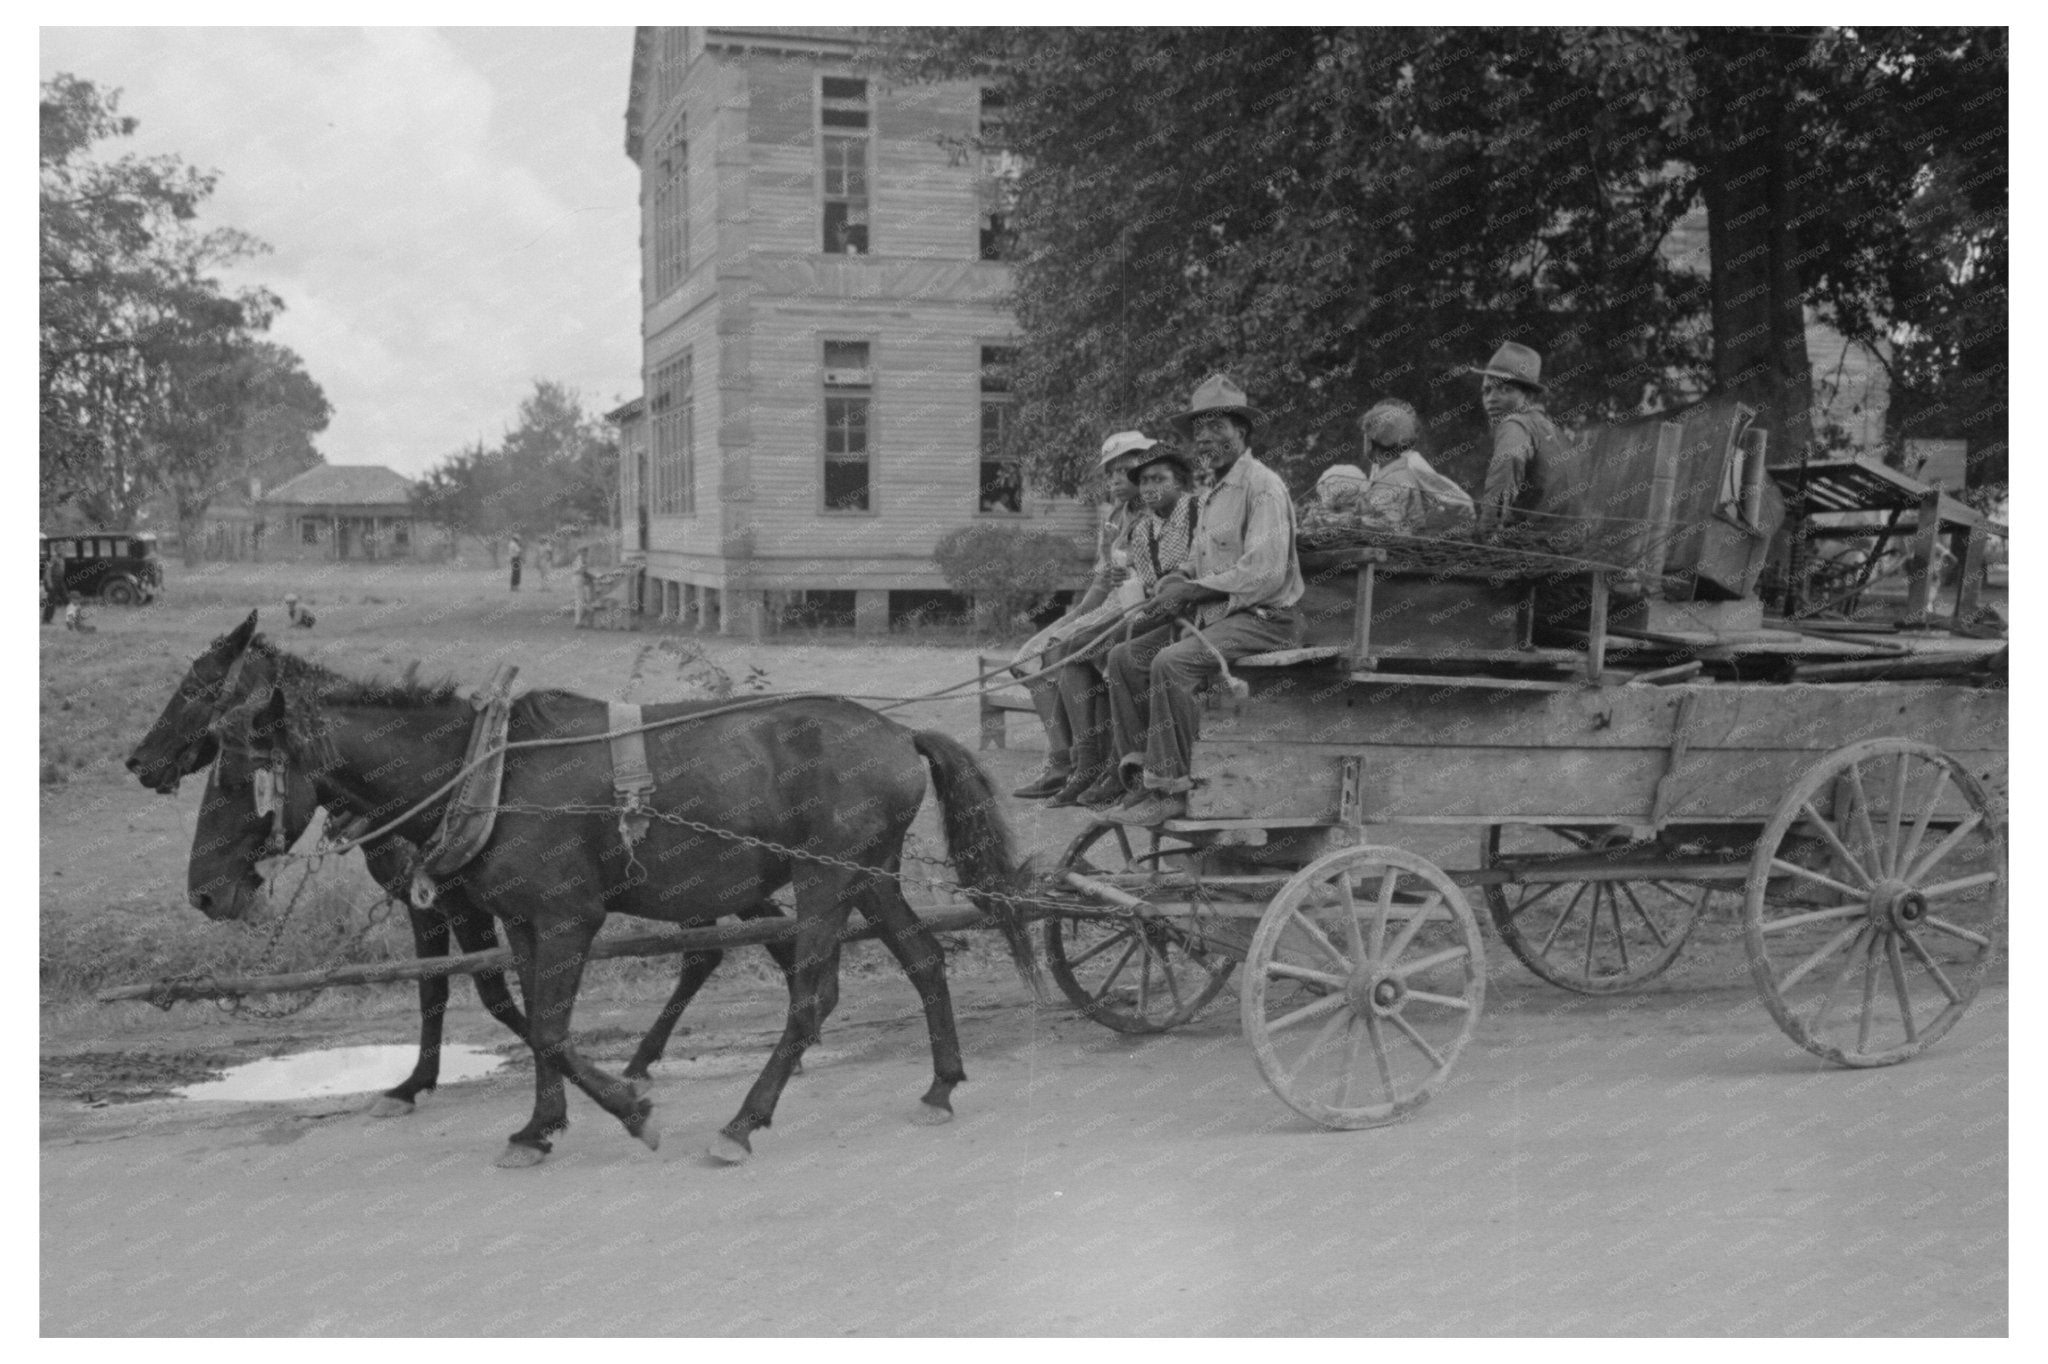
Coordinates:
[118,568]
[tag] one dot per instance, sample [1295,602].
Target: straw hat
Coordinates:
[1122,444]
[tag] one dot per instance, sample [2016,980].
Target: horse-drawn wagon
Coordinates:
[1612,732]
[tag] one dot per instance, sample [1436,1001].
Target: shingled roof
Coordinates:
[352,485]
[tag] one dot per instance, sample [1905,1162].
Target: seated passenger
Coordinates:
[1404,493]
[1529,452]
[1111,591]
[1160,542]
[1240,588]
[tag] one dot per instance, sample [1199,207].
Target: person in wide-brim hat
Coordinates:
[1516,363]
[1217,396]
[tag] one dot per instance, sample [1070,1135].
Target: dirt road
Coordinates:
[1663,1164]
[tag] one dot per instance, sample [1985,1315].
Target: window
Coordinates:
[849,385]
[671,212]
[843,117]
[668,65]
[672,403]
[309,531]
[999,169]
[401,535]
[1001,487]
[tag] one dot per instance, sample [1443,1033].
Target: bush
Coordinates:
[1008,572]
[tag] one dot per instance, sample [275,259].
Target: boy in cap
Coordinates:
[1109,593]
[1238,588]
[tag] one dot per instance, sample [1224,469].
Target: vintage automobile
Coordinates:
[118,568]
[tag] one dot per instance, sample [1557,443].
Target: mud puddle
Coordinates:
[334,1070]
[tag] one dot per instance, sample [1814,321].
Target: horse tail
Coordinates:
[978,840]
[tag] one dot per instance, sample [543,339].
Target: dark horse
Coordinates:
[813,792]
[234,836]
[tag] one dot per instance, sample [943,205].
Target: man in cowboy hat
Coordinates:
[1528,449]
[1110,592]
[1237,592]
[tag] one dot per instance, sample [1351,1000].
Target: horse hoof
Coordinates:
[931,1115]
[391,1106]
[642,1085]
[519,1157]
[728,1151]
[650,1136]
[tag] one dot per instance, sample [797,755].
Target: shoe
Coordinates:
[1043,785]
[1156,808]
[1108,790]
[1077,785]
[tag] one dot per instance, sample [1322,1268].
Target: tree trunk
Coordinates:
[1753,208]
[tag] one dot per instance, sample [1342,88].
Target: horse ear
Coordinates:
[238,638]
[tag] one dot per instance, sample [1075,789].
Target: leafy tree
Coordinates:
[130,314]
[462,494]
[560,463]
[1007,571]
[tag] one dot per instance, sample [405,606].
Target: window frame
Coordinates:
[871,390]
[666,271]
[684,493]
[985,398]
[866,136]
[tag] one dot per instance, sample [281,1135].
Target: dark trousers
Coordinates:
[515,573]
[1154,716]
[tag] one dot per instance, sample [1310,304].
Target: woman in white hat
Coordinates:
[1111,590]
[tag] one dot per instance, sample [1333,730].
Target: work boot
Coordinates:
[1077,786]
[1156,807]
[1046,783]
[1106,791]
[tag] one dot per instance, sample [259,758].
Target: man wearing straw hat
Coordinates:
[1528,449]
[1237,593]
[1111,592]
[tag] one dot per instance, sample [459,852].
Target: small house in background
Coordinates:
[826,346]
[338,512]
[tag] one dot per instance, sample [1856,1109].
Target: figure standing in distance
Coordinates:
[518,553]
[53,584]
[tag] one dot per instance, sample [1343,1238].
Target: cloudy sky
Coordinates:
[451,212]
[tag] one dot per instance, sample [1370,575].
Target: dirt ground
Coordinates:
[1664,1163]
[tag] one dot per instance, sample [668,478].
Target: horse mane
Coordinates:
[303,678]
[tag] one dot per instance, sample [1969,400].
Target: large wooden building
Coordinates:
[825,343]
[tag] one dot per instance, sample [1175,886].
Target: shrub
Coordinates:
[1009,572]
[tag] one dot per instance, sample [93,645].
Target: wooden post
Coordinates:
[1361,618]
[1663,494]
[1920,574]
[1596,627]
[1969,549]
[1755,446]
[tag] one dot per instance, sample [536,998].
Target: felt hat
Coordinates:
[1217,395]
[1122,444]
[1516,363]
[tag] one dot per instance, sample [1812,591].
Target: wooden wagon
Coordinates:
[1605,745]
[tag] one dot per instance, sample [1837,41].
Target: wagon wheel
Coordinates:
[1363,984]
[1124,971]
[1875,952]
[1595,937]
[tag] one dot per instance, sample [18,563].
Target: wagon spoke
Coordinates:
[1898,965]
[1381,908]
[1414,926]
[1448,1001]
[1948,988]
[1563,919]
[1172,982]
[1307,1013]
[1593,922]
[1123,839]
[1869,994]
[1100,947]
[1449,954]
[1827,996]
[1321,939]
[1379,1056]
[1303,973]
[1620,938]
[1942,925]
[1812,916]
[1102,991]
[1925,817]
[1876,867]
[1834,840]
[1982,878]
[1896,815]
[1421,1042]
[1648,922]
[1945,847]
[1797,973]
[1353,936]
[1322,1039]
[1531,901]
[1807,873]
[1144,975]
[1354,1032]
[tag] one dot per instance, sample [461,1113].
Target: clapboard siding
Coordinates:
[762,296]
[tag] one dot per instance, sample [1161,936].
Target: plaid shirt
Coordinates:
[1158,546]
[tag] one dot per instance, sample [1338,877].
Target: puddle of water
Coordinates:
[336,1070]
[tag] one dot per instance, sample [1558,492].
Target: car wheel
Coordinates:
[121,592]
